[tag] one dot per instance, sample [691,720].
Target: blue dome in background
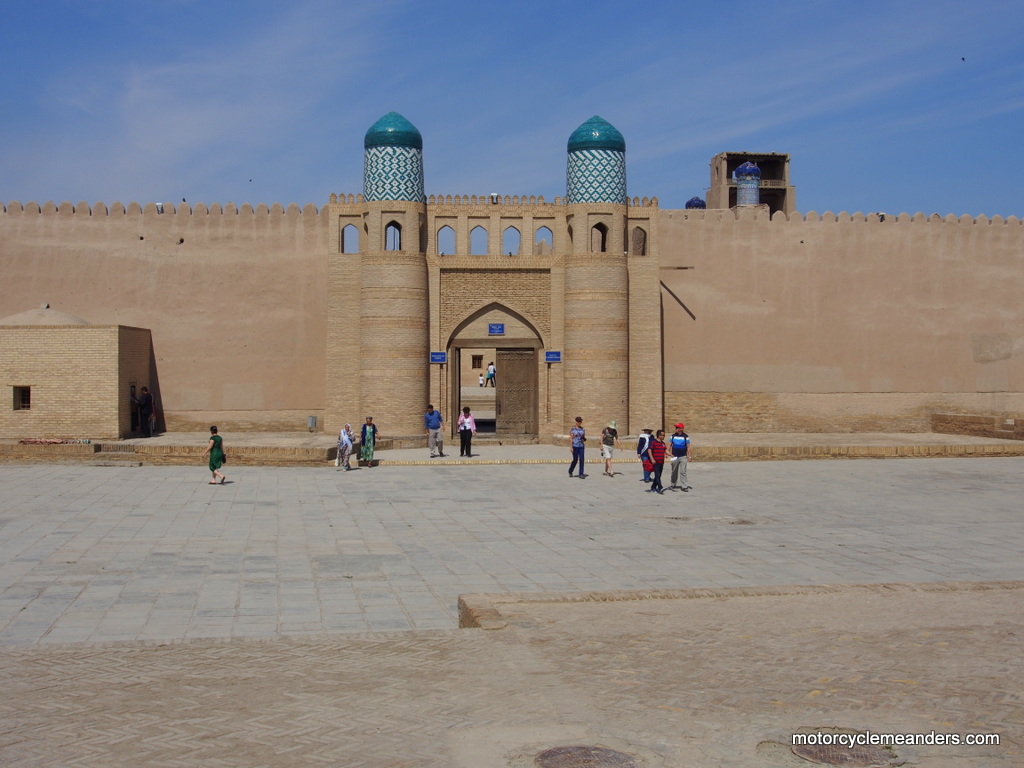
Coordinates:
[748,169]
[393,130]
[696,202]
[597,133]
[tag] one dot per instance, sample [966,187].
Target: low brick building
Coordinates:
[67,378]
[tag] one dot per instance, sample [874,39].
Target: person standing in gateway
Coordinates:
[433,421]
[467,428]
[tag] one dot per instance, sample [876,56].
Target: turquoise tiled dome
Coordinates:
[596,172]
[393,160]
[597,133]
[393,130]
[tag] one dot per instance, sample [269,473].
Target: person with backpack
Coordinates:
[642,444]
[679,444]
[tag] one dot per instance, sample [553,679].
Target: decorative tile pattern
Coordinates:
[596,176]
[393,173]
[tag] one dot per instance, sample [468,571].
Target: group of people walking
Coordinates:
[654,449]
[433,424]
[651,447]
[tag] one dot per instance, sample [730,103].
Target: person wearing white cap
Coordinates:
[609,441]
[679,443]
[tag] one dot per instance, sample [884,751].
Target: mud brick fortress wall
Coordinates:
[840,322]
[729,319]
[235,298]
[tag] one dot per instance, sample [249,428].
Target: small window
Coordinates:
[446,241]
[510,241]
[478,241]
[23,398]
[349,239]
[393,237]
[542,243]
[478,362]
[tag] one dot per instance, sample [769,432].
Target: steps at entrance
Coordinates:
[480,401]
[489,438]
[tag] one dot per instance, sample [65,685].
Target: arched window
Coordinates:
[478,241]
[599,238]
[393,236]
[569,231]
[510,240]
[349,239]
[638,242]
[543,241]
[446,241]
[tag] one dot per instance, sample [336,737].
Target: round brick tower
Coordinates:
[393,311]
[596,278]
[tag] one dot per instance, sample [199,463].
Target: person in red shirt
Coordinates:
[656,451]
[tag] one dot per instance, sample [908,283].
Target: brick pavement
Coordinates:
[722,680]
[149,619]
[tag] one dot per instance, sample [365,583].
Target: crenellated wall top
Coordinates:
[159,209]
[521,200]
[813,217]
[309,210]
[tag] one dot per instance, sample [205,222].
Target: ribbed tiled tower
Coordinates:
[392,310]
[596,279]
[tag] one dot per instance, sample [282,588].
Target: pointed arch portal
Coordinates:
[510,407]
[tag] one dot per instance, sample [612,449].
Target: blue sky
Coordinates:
[884,106]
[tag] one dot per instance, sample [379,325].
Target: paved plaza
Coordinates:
[306,616]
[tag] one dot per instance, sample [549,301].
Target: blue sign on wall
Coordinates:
[495,329]
[552,357]
[438,357]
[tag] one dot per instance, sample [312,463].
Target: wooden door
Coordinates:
[516,392]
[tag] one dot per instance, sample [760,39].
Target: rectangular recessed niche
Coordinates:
[22,398]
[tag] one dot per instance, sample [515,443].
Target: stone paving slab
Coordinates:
[305,616]
[100,554]
[722,680]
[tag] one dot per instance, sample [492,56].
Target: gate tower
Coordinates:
[377,309]
[596,278]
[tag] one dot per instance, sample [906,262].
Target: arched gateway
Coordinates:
[507,404]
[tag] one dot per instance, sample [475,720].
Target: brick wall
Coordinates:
[74,379]
[1004,426]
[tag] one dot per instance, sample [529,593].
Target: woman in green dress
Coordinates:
[367,441]
[216,451]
